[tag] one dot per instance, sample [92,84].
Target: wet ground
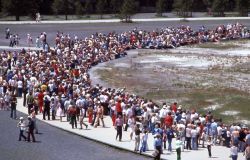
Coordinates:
[178,74]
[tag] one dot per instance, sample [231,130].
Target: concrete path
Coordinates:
[118,20]
[107,136]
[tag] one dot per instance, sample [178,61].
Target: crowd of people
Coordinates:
[55,82]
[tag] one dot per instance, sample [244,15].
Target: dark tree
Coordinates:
[219,7]
[183,7]
[116,5]
[160,7]
[242,7]
[128,9]
[17,7]
[65,7]
[88,7]
[101,7]
[79,8]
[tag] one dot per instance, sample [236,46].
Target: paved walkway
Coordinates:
[107,136]
[118,20]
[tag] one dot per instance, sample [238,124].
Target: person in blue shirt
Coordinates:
[157,130]
[158,146]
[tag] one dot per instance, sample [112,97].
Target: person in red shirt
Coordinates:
[174,107]
[169,120]
[40,101]
[118,108]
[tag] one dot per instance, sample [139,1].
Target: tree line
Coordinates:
[122,8]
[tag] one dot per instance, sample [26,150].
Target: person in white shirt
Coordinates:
[194,134]
[163,114]
[19,88]
[21,125]
[234,152]
[188,136]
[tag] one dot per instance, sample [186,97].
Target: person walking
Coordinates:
[22,128]
[209,144]
[72,113]
[99,115]
[82,113]
[118,126]
[178,146]
[13,102]
[31,128]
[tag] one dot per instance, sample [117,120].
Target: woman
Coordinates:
[131,124]
[59,110]
[137,137]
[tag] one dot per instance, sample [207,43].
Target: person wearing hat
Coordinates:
[21,125]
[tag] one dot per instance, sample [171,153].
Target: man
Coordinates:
[178,145]
[13,102]
[118,126]
[158,146]
[31,128]
[46,110]
[30,102]
[21,125]
[99,115]
[72,113]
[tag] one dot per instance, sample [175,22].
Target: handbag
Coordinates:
[155,153]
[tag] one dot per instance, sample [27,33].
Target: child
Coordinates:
[234,151]
[21,125]
[209,144]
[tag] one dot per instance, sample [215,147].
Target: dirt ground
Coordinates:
[213,76]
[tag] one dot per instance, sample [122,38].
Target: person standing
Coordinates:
[46,110]
[247,152]
[144,143]
[13,102]
[188,137]
[118,125]
[178,146]
[137,137]
[234,151]
[19,88]
[30,102]
[170,136]
[158,146]
[40,101]
[31,128]
[21,125]
[7,33]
